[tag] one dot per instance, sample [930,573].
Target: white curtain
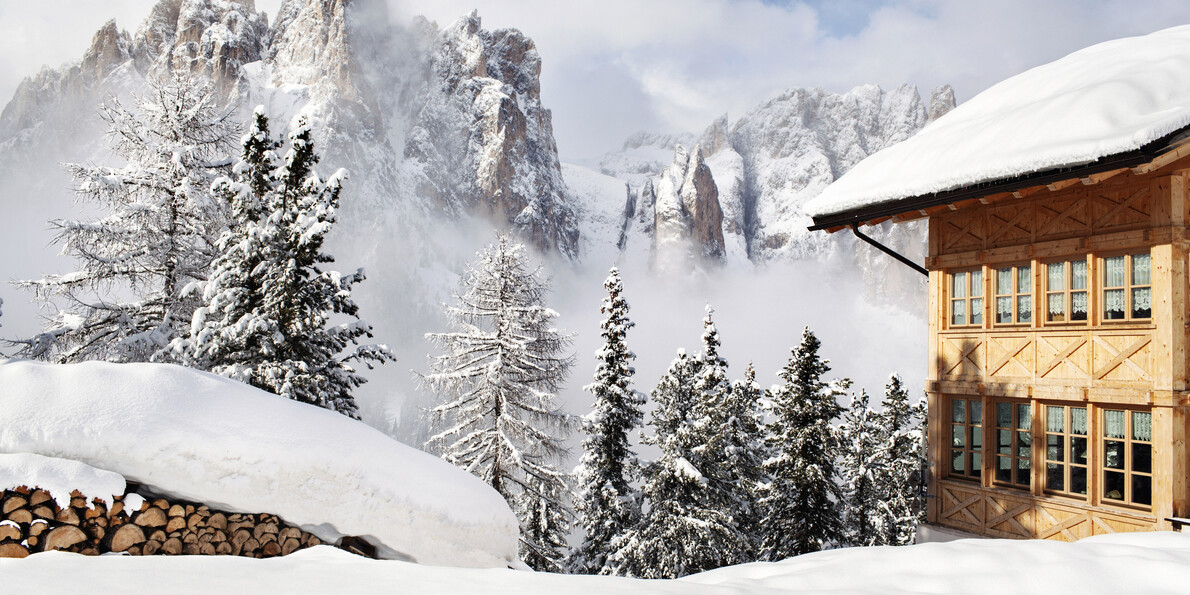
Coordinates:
[1004,281]
[1055,419]
[1140,269]
[1078,420]
[1114,271]
[1078,302]
[1057,304]
[1142,426]
[960,285]
[1024,279]
[1024,308]
[1115,424]
[1004,309]
[976,283]
[1055,277]
[1113,300]
[1078,274]
[1141,299]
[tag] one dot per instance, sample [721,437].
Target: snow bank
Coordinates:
[59,477]
[1150,563]
[196,436]
[1106,99]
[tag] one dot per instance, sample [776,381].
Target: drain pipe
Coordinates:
[889,251]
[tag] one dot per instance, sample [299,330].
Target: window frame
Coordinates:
[1129,287]
[968,298]
[1066,461]
[1067,292]
[1127,499]
[1014,455]
[1015,296]
[973,432]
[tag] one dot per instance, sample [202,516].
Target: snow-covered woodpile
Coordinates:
[32,521]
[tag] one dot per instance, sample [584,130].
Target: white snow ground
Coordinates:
[200,437]
[1102,100]
[1150,563]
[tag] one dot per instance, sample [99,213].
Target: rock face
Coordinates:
[686,211]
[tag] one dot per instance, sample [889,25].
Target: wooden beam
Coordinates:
[1023,192]
[1099,177]
[1063,184]
[1164,159]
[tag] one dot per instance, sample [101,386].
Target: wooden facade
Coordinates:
[1056,410]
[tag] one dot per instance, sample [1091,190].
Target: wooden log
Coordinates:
[150,548]
[177,511]
[270,549]
[290,546]
[126,537]
[89,551]
[11,531]
[190,509]
[13,550]
[223,548]
[218,521]
[189,537]
[77,500]
[98,510]
[22,515]
[172,546]
[151,517]
[66,516]
[39,527]
[133,551]
[264,529]
[218,537]
[45,512]
[161,503]
[95,531]
[239,537]
[250,547]
[39,497]
[190,549]
[206,549]
[194,522]
[14,502]
[175,524]
[159,536]
[116,509]
[63,537]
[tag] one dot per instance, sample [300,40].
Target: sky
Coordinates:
[614,67]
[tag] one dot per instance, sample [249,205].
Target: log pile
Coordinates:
[31,521]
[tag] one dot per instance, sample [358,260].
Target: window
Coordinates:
[966,298]
[1066,450]
[1014,294]
[1127,457]
[1014,443]
[1066,291]
[966,438]
[1126,287]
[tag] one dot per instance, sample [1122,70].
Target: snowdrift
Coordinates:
[195,436]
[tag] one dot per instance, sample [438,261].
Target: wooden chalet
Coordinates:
[1059,295]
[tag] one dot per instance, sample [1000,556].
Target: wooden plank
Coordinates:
[1099,177]
[1023,192]
[1008,355]
[1062,355]
[1120,357]
[1164,159]
[1056,186]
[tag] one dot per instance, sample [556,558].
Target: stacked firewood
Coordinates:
[31,521]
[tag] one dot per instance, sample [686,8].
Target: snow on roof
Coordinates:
[1103,100]
[199,437]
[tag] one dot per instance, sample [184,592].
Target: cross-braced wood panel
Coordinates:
[1008,517]
[962,356]
[1010,224]
[1124,208]
[962,509]
[1064,357]
[1123,358]
[962,231]
[1010,356]
[1059,219]
[1062,525]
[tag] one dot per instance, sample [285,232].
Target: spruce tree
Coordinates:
[607,506]
[498,378]
[268,303]
[802,504]
[743,467]
[861,440]
[155,234]
[902,458]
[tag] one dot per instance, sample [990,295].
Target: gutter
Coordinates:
[1133,158]
[889,251]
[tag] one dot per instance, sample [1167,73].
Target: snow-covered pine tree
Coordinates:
[902,493]
[156,234]
[498,378]
[802,504]
[861,439]
[687,525]
[267,305]
[607,505]
[746,437]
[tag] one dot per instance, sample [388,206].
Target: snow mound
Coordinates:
[59,477]
[1103,100]
[195,436]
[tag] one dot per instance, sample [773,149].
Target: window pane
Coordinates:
[1078,305]
[1004,442]
[1055,447]
[1142,489]
[1023,417]
[1142,426]
[1078,420]
[976,412]
[1024,279]
[960,285]
[1055,476]
[957,410]
[1055,276]
[1113,485]
[1113,304]
[1024,444]
[976,464]
[1022,471]
[1004,281]
[1115,424]
[1114,454]
[957,461]
[1142,458]
[1055,419]
[1055,307]
[1078,274]
[1078,450]
[1024,308]
[1003,415]
[1004,309]
[1140,269]
[1141,303]
[977,311]
[1113,271]
[976,438]
[1003,469]
[959,310]
[1078,480]
[976,283]
[958,436]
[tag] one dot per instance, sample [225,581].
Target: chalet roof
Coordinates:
[1116,104]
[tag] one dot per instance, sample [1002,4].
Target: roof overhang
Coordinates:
[1160,152]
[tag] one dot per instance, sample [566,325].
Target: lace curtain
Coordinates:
[1140,269]
[1055,419]
[1141,299]
[1114,271]
[960,285]
[1113,300]
[1078,274]
[1115,424]
[1057,303]
[1078,303]
[1078,421]
[1055,277]
[1142,426]
[976,283]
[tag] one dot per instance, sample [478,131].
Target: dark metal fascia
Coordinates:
[1132,158]
[889,251]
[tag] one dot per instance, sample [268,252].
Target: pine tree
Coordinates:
[607,506]
[156,235]
[498,378]
[267,304]
[861,437]
[802,504]
[902,493]
[746,436]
